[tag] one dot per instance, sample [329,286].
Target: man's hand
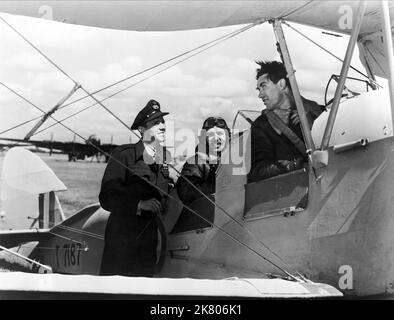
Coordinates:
[152,205]
[300,162]
[295,118]
[287,165]
[292,165]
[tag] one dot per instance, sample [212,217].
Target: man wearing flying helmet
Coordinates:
[200,169]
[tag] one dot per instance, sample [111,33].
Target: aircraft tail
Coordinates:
[27,192]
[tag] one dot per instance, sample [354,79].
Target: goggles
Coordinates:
[214,122]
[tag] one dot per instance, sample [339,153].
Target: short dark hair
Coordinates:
[275,70]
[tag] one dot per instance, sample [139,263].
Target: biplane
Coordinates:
[331,223]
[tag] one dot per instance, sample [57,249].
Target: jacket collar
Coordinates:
[139,150]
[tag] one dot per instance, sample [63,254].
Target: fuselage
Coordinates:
[334,224]
[345,234]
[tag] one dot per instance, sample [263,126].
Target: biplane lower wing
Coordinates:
[14,238]
[23,285]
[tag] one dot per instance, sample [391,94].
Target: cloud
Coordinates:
[227,79]
[26,60]
[218,82]
[217,65]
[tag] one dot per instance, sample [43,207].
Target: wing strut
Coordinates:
[50,112]
[158,188]
[243,116]
[44,268]
[342,79]
[306,130]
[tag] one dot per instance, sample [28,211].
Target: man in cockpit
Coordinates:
[274,150]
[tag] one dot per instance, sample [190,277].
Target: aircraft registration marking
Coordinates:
[69,253]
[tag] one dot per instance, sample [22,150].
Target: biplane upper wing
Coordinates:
[29,285]
[185,15]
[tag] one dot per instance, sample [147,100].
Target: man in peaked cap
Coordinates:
[131,234]
[148,113]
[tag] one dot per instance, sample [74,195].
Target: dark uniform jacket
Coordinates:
[130,240]
[267,146]
[202,174]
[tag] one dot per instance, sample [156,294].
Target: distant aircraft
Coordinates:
[7,146]
[74,150]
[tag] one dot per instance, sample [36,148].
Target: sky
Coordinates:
[217,82]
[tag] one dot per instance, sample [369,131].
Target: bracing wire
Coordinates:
[296,10]
[130,86]
[159,189]
[108,110]
[71,229]
[38,50]
[210,44]
[64,237]
[329,52]
[20,125]
[117,118]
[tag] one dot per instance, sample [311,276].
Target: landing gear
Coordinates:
[72,157]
